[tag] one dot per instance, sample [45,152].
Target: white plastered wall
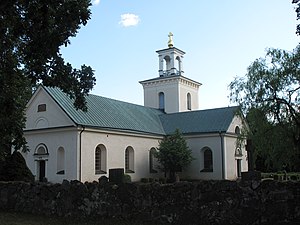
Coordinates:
[230,142]
[115,144]
[170,90]
[54,129]
[184,89]
[53,140]
[175,91]
[231,159]
[196,144]
[54,116]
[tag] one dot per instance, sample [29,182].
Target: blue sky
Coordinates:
[220,38]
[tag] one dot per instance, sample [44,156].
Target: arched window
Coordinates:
[60,160]
[237,130]
[207,160]
[41,150]
[152,160]
[189,101]
[100,159]
[129,160]
[161,100]
[168,64]
[179,66]
[238,150]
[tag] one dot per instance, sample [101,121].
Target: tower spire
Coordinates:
[170,42]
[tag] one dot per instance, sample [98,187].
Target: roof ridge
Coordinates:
[204,110]
[124,102]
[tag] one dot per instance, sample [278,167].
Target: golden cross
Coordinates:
[170,42]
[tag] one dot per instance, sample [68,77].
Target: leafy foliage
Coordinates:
[173,154]
[269,95]
[31,34]
[15,169]
[274,148]
[297,2]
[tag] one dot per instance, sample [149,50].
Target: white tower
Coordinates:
[170,60]
[171,91]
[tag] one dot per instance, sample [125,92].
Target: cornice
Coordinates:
[170,79]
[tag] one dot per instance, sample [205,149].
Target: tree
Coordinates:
[297,2]
[173,154]
[274,148]
[31,34]
[269,95]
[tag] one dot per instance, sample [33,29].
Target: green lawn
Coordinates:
[10,218]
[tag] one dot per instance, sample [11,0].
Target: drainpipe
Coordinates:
[83,128]
[222,154]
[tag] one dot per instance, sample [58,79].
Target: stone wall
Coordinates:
[204,202]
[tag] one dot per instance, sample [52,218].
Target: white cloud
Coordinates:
[96,2]
[129,19]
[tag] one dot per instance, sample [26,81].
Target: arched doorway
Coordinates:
[41,156]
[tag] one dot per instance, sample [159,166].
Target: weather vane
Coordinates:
[170,42]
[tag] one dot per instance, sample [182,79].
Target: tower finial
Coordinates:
[170,42]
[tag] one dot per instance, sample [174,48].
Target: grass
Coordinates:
[12,218]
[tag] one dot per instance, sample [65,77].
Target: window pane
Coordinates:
[189,107]
[127,159]
[41,107]
[161,100]
[98,161]
[152,160]
[208,160]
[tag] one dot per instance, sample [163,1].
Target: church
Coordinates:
[66,143]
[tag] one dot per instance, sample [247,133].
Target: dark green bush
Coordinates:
[126,178]
[14,168]
[162,180]
[144,180]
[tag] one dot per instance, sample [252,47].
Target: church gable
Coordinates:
[43,112]
[238,123]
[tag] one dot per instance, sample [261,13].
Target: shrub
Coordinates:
[162,180]
[15,169]
[103,180]
[126,178]
[144,180]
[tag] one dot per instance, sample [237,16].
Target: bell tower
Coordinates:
[170,59]
[171,91]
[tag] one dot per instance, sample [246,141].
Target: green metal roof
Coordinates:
[200,121]
[117,115]
[110,114]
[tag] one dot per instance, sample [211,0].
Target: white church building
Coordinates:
[66,143]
